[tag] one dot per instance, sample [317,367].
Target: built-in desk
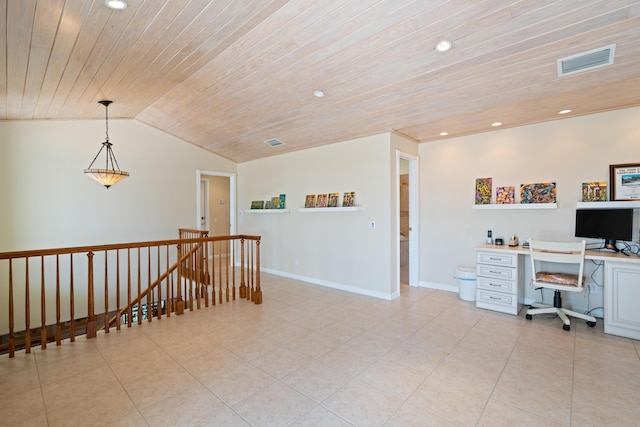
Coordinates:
[500,285]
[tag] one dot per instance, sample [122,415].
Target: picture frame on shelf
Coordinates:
[541,192]
[624,182]
[321,201]
[505,195]
[483,191]
[349,199]
[257,204]
[332,202]
[594,191]
[310,201]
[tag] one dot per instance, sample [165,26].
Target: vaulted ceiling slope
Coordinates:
[227,75]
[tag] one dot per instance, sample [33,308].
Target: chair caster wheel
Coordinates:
[591,324]
[528,317]
[566,327]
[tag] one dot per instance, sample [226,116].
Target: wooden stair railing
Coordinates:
[139,281]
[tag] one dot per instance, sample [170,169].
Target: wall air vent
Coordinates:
[274,142]
[586,60]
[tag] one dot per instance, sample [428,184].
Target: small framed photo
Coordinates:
[624,181]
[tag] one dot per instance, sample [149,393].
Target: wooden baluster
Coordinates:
[43,307]
[191,266]
[258,294]
[150,299]
[205,273]
[72,323]
[243,289]
[118,316]
[169,286]
[250,270]
[159,286]
[106,294]
[232,259]
[58,323]
[220,270]
[91,317]
[12,338]
[139,304]
[211,270]
[129,308]
[227,246]
[27,314]
[198,273]
[179,302]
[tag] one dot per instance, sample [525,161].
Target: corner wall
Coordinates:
[569,152]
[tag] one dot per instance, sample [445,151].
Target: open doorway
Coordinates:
[407,223]
[216,203]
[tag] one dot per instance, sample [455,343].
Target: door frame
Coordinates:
[232,197]
[414,223]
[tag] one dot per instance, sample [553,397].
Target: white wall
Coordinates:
[568,152]
[334,248]
[47,201]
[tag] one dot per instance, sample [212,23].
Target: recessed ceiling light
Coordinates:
[116,4]
[496,124]
[443,45]
[318,93]
[564,112]
[444,133]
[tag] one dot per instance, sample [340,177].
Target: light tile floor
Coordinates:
[314,356]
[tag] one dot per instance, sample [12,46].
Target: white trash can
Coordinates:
[467,283]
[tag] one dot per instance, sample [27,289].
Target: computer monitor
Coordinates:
[608,224]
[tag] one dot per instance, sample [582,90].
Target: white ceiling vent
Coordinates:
[586,60]
[274,142]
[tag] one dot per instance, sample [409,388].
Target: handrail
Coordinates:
[141,280]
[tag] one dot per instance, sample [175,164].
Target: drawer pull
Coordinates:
[495,285]
[492,297]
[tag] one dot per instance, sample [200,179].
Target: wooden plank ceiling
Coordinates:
[227,75]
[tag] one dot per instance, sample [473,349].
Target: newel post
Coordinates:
[257,294]
[91,315]
[179,301]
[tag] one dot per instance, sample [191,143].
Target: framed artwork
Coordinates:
[624,180]
[333,200]
[543,192]
[505,195]
[310,201]
[594,191]
[349,199]
[483,191]
[257,204]
[321,201]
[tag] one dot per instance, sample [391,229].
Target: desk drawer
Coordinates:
[497,285]
[506,303]
[505,273]
[505,260]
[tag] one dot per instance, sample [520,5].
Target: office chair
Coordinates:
[558,253]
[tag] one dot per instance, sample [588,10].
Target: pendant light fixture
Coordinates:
[111,174]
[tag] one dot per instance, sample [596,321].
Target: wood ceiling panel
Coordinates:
[228,74]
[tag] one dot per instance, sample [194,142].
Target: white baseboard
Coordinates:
[333,285]
[439,286]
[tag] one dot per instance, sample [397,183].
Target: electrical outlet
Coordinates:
[593,288]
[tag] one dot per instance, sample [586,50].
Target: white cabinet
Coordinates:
[622,299]
[500,278]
